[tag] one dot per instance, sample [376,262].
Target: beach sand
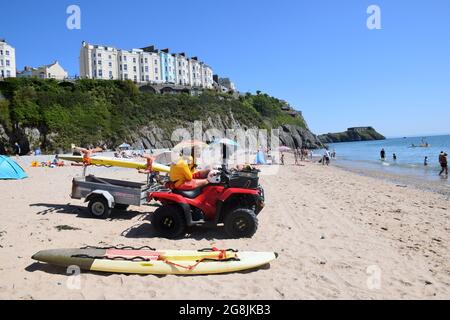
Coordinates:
[332,229]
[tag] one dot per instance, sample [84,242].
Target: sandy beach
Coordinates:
[332,229]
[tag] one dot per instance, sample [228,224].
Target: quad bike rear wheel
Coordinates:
[241,223]
[169,222]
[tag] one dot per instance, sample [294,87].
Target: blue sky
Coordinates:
[317,54]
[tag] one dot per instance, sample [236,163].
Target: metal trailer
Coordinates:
[104,194]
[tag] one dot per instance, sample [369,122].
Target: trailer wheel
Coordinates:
[99,208]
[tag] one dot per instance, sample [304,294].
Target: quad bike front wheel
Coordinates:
[241,223]
[169,222]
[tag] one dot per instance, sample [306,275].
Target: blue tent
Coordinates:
[260,158]
[10,170]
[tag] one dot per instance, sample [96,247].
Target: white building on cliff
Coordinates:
[7,60]
[146,65]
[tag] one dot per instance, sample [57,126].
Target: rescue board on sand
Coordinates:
[146,260]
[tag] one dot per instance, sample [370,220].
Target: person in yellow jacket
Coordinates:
[184,176]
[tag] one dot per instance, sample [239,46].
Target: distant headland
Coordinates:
[351,135]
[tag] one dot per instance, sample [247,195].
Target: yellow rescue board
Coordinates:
[160,262]
[115,162]
[247,261]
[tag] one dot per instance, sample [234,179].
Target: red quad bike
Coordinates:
[235,200]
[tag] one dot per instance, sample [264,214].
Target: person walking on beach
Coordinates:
[383,154]
[326,158]
[296,156]
[282,159]
[17,149]
[425,162]
[444,163]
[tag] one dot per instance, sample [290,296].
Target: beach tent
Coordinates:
[10,170]
[260,159]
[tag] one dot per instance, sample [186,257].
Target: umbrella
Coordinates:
[164,158]
[233,145]
[189,144]
[284,149]
[227,142]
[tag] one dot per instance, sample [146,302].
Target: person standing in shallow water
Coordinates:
[444,163]
[425,162]
[383,154]
[394,156]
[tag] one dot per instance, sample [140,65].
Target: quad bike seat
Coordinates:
[190,194]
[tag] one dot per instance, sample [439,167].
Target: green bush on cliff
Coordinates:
[92,111]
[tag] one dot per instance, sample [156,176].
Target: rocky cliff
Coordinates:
[351,135]
[51,115]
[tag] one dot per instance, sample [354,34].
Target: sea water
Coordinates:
[410,160]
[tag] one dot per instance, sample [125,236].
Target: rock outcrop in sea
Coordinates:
[351,135]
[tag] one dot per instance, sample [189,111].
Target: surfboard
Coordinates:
[158,262]
[116,162]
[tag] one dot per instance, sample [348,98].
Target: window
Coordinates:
[110,64]
[135,78]
[110,75]
[100,62]
[156,70]
[99,55]
[7,63]
[120,67]
[147,78]
[125,67]
[100,73]
[8,73]
[146,60]
[156,61]
[134,68]
[126,76]
[142,78]
[1,62]
[109,57]
[120,58]
[1,52]
[134,60]
[124,58]
[146,69]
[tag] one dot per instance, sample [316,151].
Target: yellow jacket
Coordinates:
[180,172]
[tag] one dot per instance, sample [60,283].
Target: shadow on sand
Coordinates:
[81,211]
[58,270]
[146,230]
